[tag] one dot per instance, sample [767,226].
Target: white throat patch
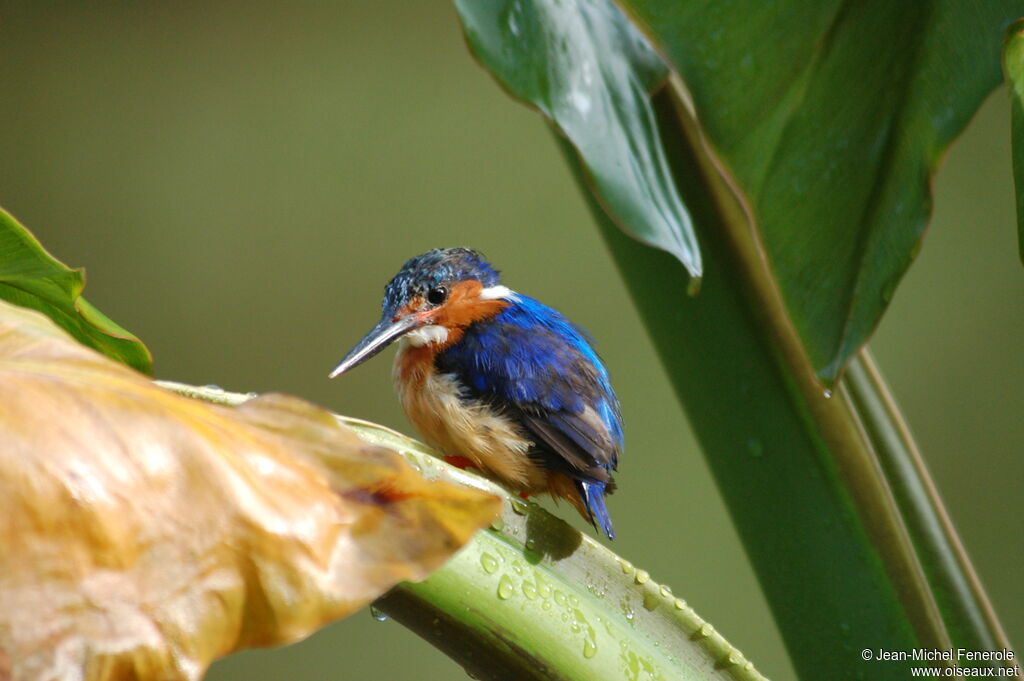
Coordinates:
[425,335]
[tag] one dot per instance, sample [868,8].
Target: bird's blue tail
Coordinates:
[592,494]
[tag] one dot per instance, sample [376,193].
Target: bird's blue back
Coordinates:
[538,368]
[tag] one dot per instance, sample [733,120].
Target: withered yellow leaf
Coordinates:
[144,534]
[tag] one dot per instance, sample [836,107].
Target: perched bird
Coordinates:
[497,380]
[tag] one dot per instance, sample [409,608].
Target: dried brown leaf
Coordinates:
[145,534]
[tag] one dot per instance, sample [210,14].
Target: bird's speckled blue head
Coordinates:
[434,269]
[414,297]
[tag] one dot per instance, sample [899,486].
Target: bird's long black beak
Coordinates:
[384,334]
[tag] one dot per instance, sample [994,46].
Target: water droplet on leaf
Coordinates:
[489,563]
[506,588]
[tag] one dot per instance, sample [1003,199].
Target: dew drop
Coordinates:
[519,507]
[530,590]
[573,601]
[377,614]
[489,563]
[575,627]
[506,588]
[651,600]
[641,577]
[589,648]
[666,591]
[547,605]
[680,604]
[827,394]
[626,566]
[517,568]
[531,544]
[498,525]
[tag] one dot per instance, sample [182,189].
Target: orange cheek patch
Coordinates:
[464,306]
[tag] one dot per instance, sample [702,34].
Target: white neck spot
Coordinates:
[497,293]
[425,335]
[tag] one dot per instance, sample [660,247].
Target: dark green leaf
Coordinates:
[832,116]
[586,67]
[1013,67]
[32,278]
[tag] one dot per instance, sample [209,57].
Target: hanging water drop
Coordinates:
[377,614]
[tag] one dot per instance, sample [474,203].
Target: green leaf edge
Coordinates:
[55,289]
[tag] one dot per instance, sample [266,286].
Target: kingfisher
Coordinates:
[498,381]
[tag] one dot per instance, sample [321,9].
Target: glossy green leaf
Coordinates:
[584,66]
[32,278]
[1013,67]
[832,117]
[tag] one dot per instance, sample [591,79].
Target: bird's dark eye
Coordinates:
[437,295]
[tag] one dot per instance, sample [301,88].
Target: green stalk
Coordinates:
[532,598]
[970,618]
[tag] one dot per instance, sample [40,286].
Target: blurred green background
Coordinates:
[241,179]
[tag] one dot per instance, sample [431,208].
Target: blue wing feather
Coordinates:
[541,368]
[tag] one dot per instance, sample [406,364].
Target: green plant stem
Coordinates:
[532,598]
[970,618]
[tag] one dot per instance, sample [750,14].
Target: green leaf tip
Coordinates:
[32,278]
[591,72]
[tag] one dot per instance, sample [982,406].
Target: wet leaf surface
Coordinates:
[586,68]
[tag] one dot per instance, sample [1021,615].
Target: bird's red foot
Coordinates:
[524,495]
[460,462]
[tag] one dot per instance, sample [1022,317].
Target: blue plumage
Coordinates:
[500,378]
[540,369]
